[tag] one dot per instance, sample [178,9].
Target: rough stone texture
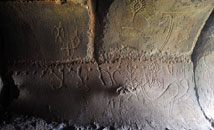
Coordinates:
[44,31]
[135,94]
[154,26]
[12,121]
[204,60]
[145,79]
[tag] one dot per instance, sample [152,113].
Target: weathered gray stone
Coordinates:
[1,84]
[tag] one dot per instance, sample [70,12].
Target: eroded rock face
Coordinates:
[129,66]
[203,59]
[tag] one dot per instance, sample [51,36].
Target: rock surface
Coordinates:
[44,31]
[122,63]
[155,26]
[1,84]
[12,121]
[204,60]
[141,95]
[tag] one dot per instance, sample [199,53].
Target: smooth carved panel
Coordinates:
[155,26]
[44,31]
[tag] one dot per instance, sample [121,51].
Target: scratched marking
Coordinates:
[169,33]
[72,45]
[108,80]
[179,93]
[79,71]
[59,33]
[157,96]
[131,84]
[60,79]
[44,72]
[136,6]
[170,69]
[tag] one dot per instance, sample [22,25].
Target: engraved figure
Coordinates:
[169,32]
[59,33]
[154,84]
[136,6]
[60,78]
[131,85]
[73,44]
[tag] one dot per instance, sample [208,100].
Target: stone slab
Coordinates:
[44,31]
[131,94]
[154,26]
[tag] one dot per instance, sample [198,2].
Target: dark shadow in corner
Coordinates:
[101,10]
[202,48]
[9,90]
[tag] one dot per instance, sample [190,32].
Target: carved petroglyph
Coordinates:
[147,90]
[131,84]
[169,32]
[170,69]
[109,77]
[58,30]
[79,71]
[68,49]
[106,78]
[80,76]
[162,21]
[136,6]
[151,75]
[51,73]
[182,89]
[159,29]
[72,44]
[46,70]
[154,86]
[131,81]
[145,7]
[60,78]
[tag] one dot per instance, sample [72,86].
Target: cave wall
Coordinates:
[126,63]
[203,60]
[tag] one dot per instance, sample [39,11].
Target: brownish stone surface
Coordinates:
[44,31]
[128,66]
[161,27]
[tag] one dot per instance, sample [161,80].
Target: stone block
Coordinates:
[41,31]
[154,27]
[204,70]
